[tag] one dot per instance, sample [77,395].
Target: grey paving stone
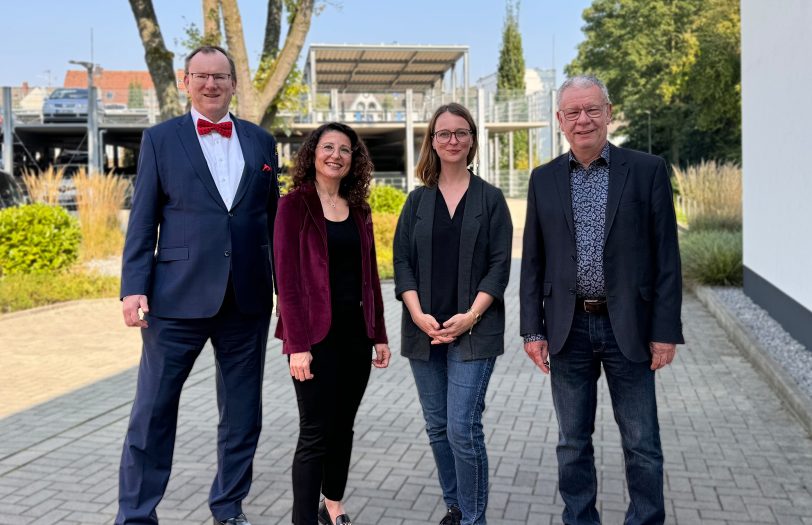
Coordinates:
[733,453]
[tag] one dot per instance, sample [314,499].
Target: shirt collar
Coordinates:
[604,156]
[196,115]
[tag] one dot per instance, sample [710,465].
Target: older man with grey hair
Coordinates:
[601,288]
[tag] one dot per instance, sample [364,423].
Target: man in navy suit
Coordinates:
[197,267]
[601,288]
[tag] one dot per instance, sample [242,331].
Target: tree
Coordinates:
[258,97]
[509,81]
[158,58]
[674,64]
[135,95]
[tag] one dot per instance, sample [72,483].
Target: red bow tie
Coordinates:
[204,127]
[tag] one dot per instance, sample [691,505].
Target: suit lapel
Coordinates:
[422,239]
[188,138]
[247,146]
[618,172]
[311,199]
[468,235]
[562,183]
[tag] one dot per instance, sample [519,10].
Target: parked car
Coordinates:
[66,105]
[10,192]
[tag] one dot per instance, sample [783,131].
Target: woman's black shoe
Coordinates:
[452,517]
[324,517]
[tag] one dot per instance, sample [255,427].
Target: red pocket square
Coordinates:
[265,167]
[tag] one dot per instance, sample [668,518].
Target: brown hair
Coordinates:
[428,167]
[207,50]
[355,185]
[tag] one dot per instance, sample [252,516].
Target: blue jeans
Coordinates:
[452,394]
[574,377]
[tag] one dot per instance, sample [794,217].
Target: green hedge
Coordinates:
[384,225]
[712,257]
[37,238]
[386,199]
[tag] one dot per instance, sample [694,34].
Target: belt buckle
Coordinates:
[592,305]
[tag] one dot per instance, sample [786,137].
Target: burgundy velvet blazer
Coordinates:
[303,275]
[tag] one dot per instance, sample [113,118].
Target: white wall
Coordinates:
[777,143]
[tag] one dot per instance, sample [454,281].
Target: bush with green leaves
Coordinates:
[386,199]
[384,225]
[37,238]
[23,291]
[712,257]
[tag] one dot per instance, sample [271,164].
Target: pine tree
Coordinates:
[510,84]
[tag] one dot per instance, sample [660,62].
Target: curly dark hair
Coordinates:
[355,185]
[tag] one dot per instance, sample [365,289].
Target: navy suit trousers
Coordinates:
[170,348]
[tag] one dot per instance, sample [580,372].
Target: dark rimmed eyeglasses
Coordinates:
[444,136]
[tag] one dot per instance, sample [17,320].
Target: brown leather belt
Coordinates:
[592,306]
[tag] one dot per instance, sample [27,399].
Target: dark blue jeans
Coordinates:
[574,377]
[452,394]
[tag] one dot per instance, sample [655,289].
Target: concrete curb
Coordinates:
[782,383]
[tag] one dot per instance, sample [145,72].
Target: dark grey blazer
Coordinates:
[641,261]
[484,265]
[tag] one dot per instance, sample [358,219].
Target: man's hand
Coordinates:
[130,306]
[382,355]
[538,353]
[300,365]
[662,354]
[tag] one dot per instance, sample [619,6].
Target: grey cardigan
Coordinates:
[484,265]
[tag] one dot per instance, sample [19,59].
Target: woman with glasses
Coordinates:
[330,311]
[452,261]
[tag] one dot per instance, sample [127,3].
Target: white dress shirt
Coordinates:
[224,157]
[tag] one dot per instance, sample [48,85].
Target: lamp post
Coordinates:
[93,160]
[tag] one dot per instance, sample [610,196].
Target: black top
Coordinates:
[445,258]
[344,253]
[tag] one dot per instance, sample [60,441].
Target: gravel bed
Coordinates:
[789,353]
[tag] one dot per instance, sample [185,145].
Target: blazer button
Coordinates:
[572,257]
[227,253]
[231,214]
[572,291]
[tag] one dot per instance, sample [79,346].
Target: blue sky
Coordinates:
[40,36]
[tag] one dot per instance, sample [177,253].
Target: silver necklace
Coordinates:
[330,200]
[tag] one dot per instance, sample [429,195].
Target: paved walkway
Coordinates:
[733,453]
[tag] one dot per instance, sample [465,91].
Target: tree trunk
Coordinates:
[253,104]
[294,41]
[211,22]
[273,29]
[235,41]
[158,58]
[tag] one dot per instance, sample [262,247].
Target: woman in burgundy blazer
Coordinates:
[330,310]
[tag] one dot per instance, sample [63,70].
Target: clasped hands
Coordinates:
[449,330]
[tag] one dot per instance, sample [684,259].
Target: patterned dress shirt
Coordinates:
[590,189]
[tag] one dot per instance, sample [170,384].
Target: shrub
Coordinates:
[22,291]
[386,199]
[384,225]
[712,257]
[37,238]
[99,198]
[711,195]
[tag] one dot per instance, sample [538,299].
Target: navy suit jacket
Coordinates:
[182,244]
[641,260]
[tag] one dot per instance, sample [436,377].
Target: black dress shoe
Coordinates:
[452,517]
[324,517]
[238,520]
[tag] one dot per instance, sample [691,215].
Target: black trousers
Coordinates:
[327,407]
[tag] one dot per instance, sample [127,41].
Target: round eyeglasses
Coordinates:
[444,136]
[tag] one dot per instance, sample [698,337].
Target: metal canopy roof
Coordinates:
[377,68]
